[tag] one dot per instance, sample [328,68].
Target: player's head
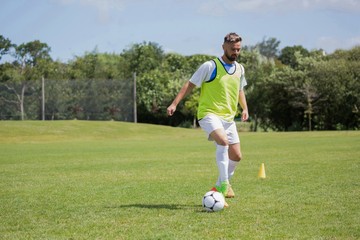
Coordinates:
[232,38]
[232,46]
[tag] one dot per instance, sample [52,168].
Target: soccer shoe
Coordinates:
[223,189]
[230,192]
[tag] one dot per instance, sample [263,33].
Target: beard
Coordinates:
[231,57]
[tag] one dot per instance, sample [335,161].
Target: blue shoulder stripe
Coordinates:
[213,74]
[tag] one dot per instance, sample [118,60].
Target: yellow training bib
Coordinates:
[220,96]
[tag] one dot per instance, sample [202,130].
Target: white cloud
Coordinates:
[216,7]
[223,7]
[344,5]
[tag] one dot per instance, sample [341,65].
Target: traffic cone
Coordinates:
[262,171]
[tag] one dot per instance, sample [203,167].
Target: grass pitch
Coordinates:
[112,180]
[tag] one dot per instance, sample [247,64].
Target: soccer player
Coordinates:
[222,81]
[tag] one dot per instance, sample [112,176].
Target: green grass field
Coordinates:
[112,180]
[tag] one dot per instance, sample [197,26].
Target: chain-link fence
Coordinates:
[68,99]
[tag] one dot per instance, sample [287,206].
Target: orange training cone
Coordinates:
[262,171]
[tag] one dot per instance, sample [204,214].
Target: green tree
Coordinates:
[258,68]
[94,65]
[293,98]
[5,46]
[268,47]
[143,57]
[287,55]
[84,67]
[281,114]
[28,54]
[338,81]
[174,62]
[111,66]
[30,63]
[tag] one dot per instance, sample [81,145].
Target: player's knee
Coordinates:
[222,142]
[237,156]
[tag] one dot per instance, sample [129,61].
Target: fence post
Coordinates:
[135,107]
[43,98]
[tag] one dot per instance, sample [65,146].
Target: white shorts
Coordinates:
[212,122]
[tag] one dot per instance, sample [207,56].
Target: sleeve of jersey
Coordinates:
[243,81]
[202,74]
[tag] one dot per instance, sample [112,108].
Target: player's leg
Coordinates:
[212,125]
[234,160]
[219,136]
[234,153]
[222,158]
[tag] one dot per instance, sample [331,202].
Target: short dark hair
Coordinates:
[232,38]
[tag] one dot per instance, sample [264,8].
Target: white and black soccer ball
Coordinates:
[213,201]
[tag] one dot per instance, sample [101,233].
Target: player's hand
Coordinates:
[244,115]
[171,109]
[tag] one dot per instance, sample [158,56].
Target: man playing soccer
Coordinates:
[222,83]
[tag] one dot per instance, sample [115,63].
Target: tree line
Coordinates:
[290,89]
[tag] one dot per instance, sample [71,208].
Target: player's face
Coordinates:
[232,50]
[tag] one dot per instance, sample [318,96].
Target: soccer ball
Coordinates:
[213,201]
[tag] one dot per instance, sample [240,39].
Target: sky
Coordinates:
[73,27]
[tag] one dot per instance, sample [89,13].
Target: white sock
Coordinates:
[222,160]
[231,170]
[232,167]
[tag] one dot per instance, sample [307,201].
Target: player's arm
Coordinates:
[243,105]
[185,90]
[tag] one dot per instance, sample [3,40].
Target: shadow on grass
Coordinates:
[160,206]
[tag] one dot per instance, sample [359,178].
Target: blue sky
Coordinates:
[73,27]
